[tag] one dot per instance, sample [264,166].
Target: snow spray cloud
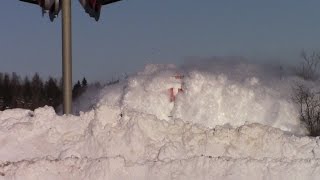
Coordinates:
[215,91]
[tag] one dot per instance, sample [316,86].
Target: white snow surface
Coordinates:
[232,121]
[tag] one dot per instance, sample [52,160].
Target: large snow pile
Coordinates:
[222,125]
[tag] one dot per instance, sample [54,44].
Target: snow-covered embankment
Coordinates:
[222,126]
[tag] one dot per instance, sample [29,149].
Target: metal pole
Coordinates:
[66,56]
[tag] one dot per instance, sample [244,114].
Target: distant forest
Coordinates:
[31,93]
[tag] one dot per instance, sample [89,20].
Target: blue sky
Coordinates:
[132,33]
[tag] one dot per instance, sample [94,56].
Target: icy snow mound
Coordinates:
[223,125]
[200,168]
[210,98]
[138,137]
[112,143]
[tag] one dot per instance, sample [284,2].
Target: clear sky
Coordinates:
[132,33]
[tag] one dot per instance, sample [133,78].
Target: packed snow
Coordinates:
[216,120]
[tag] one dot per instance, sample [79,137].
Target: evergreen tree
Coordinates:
[76,91]
[52,93]
[15,89]
[84,82]
[1,83]
[27,93]
[1,93]
[34,93]
[6,91]
[37,92]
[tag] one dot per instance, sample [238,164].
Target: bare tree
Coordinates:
[309,107]
[309,66]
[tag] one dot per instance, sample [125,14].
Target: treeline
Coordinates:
[31,93]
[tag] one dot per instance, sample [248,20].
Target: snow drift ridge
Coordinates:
[221,127]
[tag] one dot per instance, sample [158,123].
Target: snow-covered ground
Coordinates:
[230,120]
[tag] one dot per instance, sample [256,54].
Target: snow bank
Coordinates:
[220,127]
[201,168]
[103,145]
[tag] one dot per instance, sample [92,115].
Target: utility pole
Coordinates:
[65,6]
[67,56]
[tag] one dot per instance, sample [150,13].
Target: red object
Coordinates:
[179,76]
[172,96]
[172,92]
[95,5]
